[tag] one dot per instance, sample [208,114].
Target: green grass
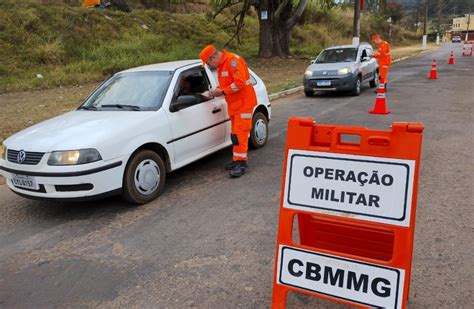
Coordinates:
[71,45]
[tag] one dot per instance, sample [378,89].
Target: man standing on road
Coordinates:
[383,57]
[236,86]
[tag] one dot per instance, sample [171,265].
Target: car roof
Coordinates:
[165,66]
[347,46]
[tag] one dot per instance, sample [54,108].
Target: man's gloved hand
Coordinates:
[216,92]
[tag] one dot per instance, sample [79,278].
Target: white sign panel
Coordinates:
[350,280]
[366,188]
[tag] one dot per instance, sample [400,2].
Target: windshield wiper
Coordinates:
[124,106]
[88,108]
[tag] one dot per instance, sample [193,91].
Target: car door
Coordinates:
[214,84]
[364,64]
[198,128]
[372,62]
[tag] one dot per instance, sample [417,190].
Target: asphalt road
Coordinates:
[209,241]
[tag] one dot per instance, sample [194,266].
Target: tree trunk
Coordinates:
[265,49]
[275,30]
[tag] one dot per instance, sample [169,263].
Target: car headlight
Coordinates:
[308,73]
[3,150]
[74,157]
[343,71]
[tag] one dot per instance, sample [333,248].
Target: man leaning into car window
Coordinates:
[383,57]
[235,84]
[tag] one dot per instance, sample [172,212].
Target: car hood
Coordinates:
[329,66]
[78,130]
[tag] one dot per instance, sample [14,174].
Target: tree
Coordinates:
[275,29]
[276,20]
[395,11]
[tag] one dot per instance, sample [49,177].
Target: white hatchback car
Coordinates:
[133,129]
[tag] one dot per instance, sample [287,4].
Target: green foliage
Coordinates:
[70,44]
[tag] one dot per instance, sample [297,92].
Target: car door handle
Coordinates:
[216,110]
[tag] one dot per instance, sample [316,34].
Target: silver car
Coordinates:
[342,68]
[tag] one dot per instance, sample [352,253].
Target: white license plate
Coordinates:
[23,181]
[324,83]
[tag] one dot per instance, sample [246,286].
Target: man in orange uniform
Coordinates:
[383,57]
[236,86]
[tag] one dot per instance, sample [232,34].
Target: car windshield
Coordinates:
[337,55]
[135,91]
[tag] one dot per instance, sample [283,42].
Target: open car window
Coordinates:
[192,82]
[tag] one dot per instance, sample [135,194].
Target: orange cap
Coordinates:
[206,53]
[375,37]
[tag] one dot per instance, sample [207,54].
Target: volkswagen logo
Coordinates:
[325,73]
[21,157]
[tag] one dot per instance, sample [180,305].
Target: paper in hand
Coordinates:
[207,94]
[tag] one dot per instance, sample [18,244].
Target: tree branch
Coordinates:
[240,23]
[280,8]
[297,14]
[222,7]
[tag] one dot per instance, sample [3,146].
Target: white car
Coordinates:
[133,129]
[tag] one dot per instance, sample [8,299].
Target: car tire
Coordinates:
[309,93]
[375,82]
[259,133]
[144,177]
[357,86]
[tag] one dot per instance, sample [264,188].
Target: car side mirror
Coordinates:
[364,59]
[313,61]
[184,101]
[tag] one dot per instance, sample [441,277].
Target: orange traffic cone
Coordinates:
[433,73]
[380,106]
[451,58]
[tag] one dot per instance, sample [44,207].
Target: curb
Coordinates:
[411,56]
[284,93]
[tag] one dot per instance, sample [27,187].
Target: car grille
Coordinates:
[32,158]
[328,73]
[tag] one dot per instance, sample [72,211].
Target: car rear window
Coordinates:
[337,55]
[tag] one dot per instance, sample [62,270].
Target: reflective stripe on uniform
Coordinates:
[225,73]
[380,95]
[385,66]
[241,155]
[246,116]
[234,87]
[237,56]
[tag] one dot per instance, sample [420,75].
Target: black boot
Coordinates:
[239,169]
[230,166]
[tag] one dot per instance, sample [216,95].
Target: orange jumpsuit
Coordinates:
[384,59]
[234,81]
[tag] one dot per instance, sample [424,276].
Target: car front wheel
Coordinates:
[144,177]
[357,85]
[259,133]
[374,83]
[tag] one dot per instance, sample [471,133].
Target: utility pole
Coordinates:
[356,26]
[425,20]
[467,30]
